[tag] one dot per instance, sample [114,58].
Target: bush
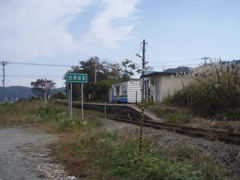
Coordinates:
[49,112]
[59,95]
[126,162]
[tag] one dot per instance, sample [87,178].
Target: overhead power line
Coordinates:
[133,51]
[177,65]
[173,61]
[38,64]
[154,52]
[14,75]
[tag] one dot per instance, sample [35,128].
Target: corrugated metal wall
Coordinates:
[133,86]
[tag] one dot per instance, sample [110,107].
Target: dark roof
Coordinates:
[233,61]
[186,70]
[179,70]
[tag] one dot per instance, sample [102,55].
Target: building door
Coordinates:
[117,93]
[157,91]
[110,95]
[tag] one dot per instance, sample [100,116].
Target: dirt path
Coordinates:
[24,155]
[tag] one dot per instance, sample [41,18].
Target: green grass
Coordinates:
[145,104]
[114,156]
[181,117]
[91,153]
[54,117]
[59,118]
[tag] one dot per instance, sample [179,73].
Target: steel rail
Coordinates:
[210,134]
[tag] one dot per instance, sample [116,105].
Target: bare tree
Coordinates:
[42,86]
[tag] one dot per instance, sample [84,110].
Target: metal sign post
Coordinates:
[84,122]
[105,116]
[67,95]
[71,102]
[76,78]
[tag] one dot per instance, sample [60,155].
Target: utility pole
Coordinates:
[143,68]
[205,60]
[95,70]
[4,64]
[45,90]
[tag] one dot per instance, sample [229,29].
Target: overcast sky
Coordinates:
[178,33]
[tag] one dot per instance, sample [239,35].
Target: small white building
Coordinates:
[163,84]
[126,92]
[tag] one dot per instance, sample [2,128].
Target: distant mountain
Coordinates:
[21,91]
[180,69]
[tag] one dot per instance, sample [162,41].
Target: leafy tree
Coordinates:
[107,74]
[41,86]
[104,70]
[59,95]
[147,68]
[128,68]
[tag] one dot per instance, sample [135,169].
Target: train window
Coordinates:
[124,90]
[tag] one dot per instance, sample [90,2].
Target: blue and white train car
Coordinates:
[126,92]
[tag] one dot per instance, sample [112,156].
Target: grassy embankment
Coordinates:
[215,90]
[169,114]
[89,152]
[215,93]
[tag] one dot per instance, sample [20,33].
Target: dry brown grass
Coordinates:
[14,113]
[215,89]
[25,113]
[76,162]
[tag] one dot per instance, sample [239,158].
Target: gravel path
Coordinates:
[24,155]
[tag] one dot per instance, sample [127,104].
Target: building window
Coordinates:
[124,90]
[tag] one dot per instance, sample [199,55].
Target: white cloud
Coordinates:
[32,28]
[114,23]
[38,28]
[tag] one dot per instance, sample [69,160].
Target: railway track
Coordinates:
[210,134]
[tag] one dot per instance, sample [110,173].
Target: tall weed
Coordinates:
[51,117]
[215,88]
[115,156]
[14,113]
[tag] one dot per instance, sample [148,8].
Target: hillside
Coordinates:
[20,91]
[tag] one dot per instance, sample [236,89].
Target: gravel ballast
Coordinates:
[227,155]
